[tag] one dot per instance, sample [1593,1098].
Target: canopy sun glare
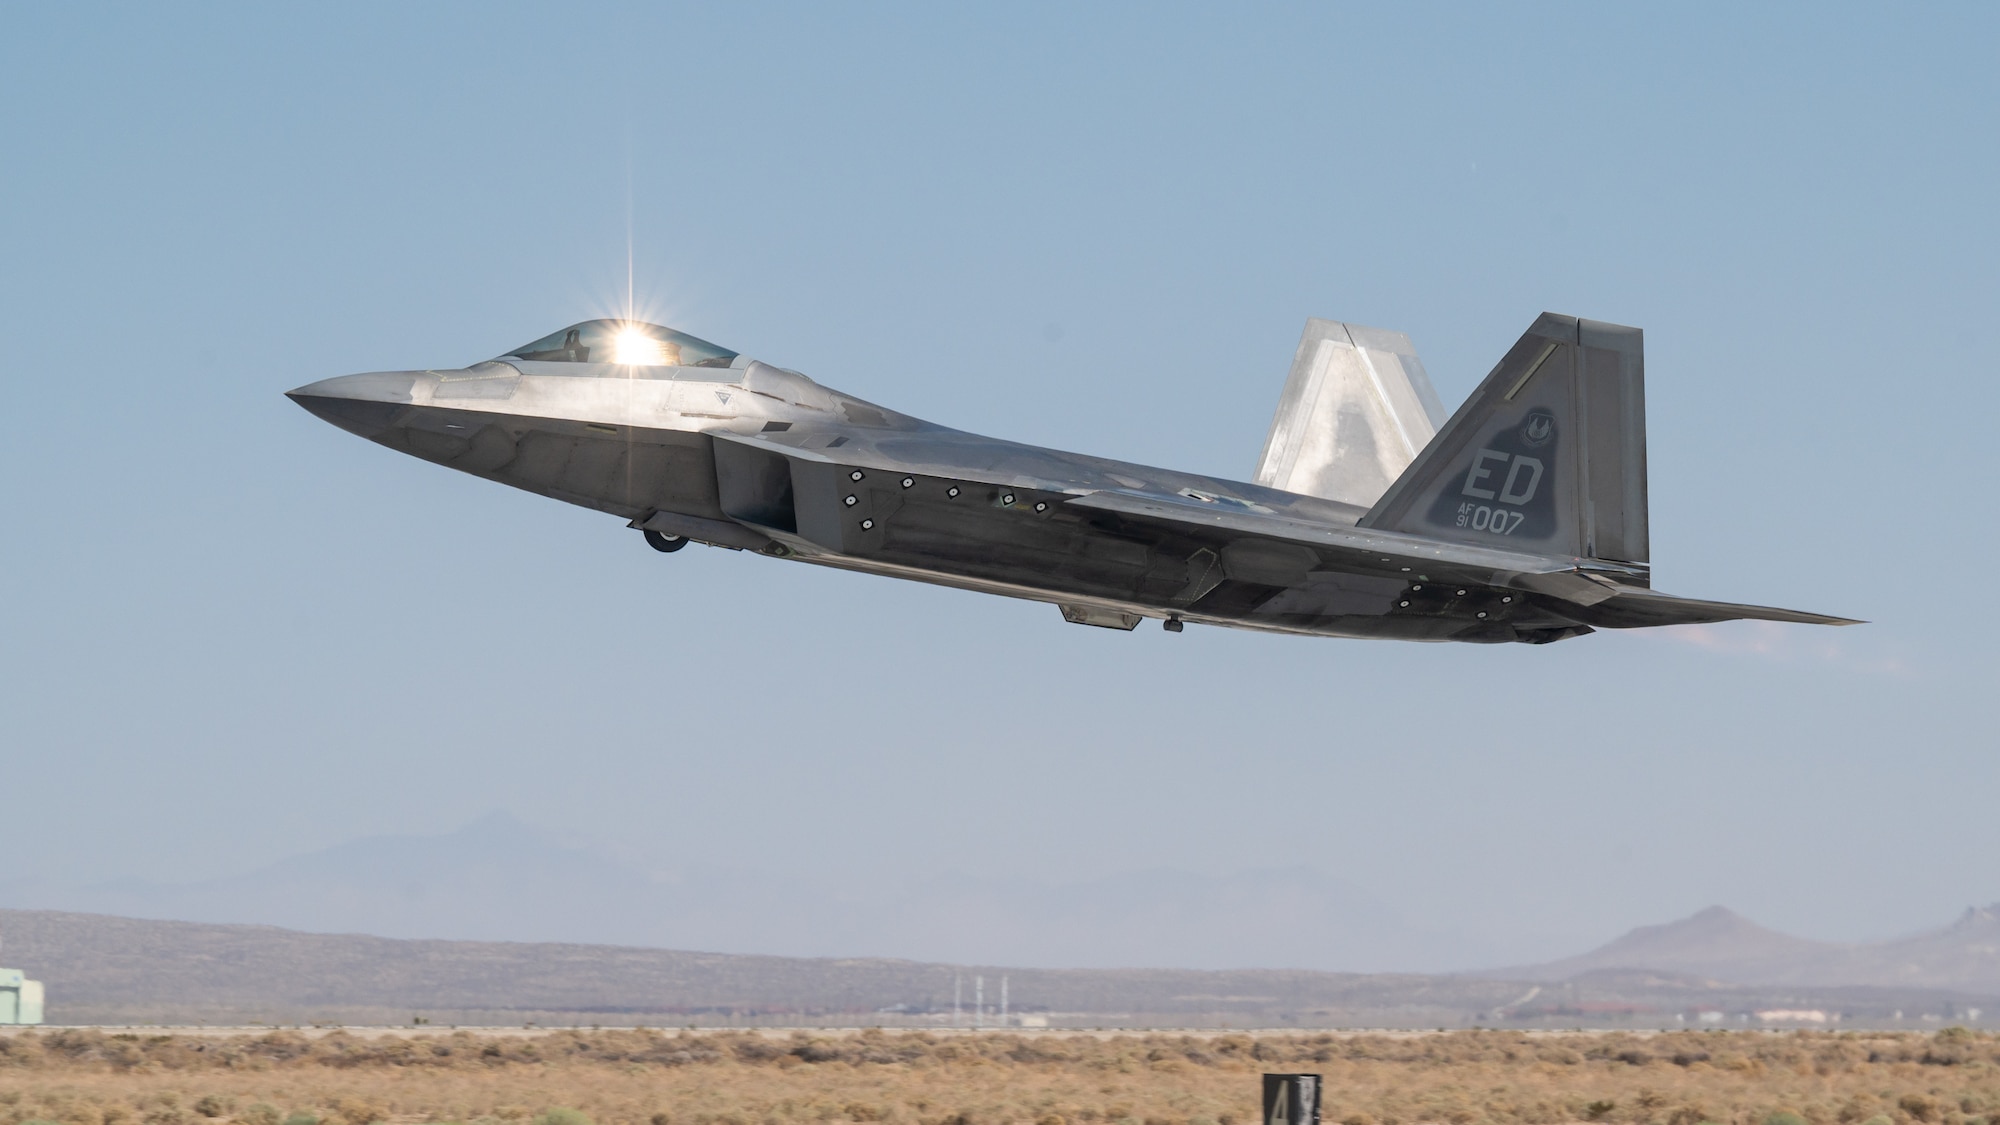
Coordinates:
[633,347]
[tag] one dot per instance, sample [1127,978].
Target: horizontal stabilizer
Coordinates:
[1356,410]
[1632,608]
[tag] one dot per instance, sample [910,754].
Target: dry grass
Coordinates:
[896,1078]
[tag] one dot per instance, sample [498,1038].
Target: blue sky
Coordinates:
[233,632]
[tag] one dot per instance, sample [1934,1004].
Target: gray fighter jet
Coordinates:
[1520,518]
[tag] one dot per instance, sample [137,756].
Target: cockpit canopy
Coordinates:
[628,342]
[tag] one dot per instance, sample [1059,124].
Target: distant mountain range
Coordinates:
[110,970]
[1720,944]
[494,920]
[499,880]
[102,969]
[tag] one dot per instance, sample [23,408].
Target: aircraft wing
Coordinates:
[807,498]
[1362,549]
[1598,598]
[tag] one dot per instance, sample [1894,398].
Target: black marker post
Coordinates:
[1291,1099]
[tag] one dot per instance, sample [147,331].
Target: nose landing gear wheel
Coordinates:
[664,543]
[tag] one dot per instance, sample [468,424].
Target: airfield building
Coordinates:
[20,998]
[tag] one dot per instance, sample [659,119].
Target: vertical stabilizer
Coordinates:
[1356,411]
[1549,454]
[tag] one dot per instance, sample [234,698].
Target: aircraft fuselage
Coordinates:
[758,458]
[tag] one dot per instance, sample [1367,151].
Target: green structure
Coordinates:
[20,998]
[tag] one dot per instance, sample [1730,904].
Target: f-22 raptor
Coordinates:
[1522,517]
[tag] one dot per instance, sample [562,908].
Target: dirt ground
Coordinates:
[102,1077]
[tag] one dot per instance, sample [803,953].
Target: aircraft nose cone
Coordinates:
[359,404]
